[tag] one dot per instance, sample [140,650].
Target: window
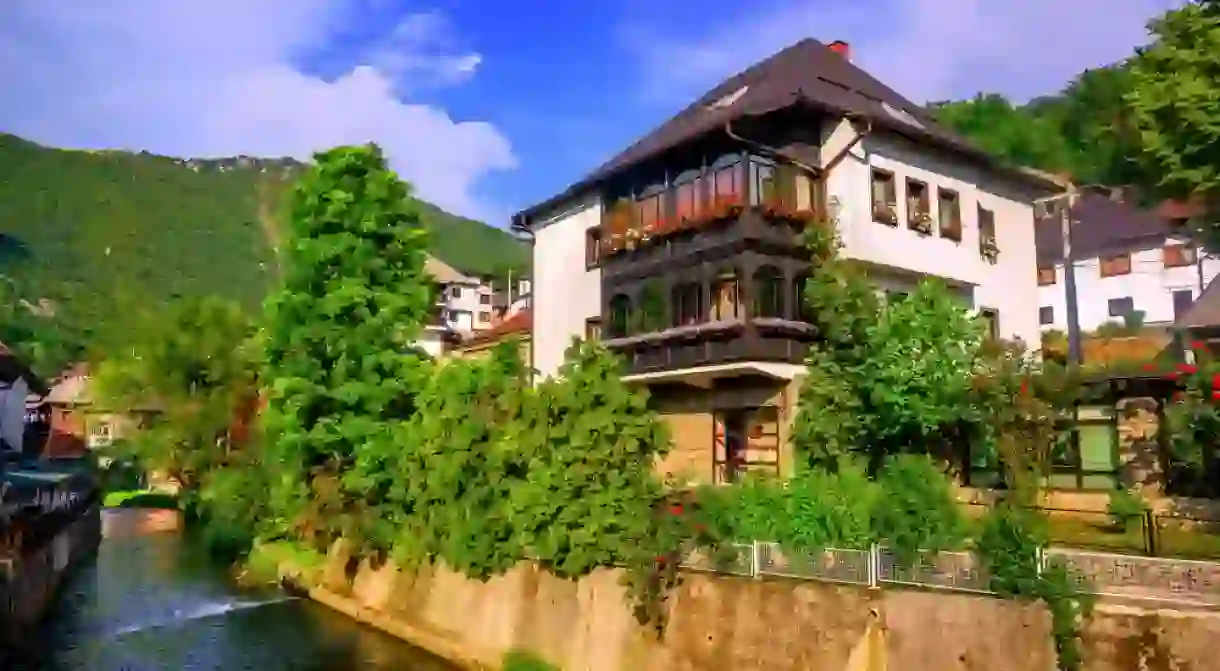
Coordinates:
[620,316]
[688,199]
[484,317]
[455,292]
[1121,307]
[885,198]
[593,247]
[484,299]
[765,185]
[1118,264]
[1046,315]
[1086,456]
[726,185]
[769,292]
[687,304]
[919,206]
[1182,300]
[949,210]
[803,312]
[1177,256]
[648,212]
[725,297]
[991,322]
[1046,276]
[593,329]
[988,245]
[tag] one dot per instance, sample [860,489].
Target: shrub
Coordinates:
[916,509]
[1126,507]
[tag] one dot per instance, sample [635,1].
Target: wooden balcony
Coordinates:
[714,343]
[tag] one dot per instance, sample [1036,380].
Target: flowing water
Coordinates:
[153,601]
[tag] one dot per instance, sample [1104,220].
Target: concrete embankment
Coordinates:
[722,623]
[50,520]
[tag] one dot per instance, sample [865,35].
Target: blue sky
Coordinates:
[487,107]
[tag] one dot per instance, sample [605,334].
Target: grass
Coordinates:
[520,660]
[140,498]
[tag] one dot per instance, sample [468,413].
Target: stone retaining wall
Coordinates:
[721,623]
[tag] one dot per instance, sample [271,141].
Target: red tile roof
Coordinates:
[522,322]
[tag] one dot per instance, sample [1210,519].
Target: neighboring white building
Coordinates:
[683,252]
[17,382]
[465,299]
[1126,259]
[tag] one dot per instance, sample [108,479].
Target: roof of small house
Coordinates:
[1101,224]
[519,323]
[444,273]
[1205,311]
[809,73]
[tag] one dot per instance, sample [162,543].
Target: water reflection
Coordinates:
[153,601]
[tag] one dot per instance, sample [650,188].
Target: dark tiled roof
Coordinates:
[1205,311]
[807,72]
[1100,225]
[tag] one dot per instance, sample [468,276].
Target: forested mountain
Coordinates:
[92,233]
[1086,130]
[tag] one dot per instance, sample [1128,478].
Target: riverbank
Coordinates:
[725,623]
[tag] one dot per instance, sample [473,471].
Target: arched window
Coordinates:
[687,304]
[769,292]
[726,301]
[620,316]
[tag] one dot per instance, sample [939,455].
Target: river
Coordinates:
[153,601]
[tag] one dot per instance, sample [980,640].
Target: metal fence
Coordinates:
[1182,582]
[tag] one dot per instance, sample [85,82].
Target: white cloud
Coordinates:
[924,49]
[217,78]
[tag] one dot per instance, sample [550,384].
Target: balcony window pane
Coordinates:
[726,184]
[620,316]
[648,211]
[725,300]
[769,287]
[689,197]
[687,306]
[765,186]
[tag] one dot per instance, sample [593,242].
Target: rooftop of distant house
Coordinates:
[1110,220]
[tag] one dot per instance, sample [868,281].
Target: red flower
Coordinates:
[1024,387]
[1197,344]
[1187,368]
[661,559]
[1216,395]
[700,528]
[676,509]
[1150,367]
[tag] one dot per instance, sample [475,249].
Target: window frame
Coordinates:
[1114,265]
[682,296]
[1110,303]
[920,203]
[593,329]
[889,190]
[1045,279]
[992,317]
[772,277]
[1073,471]
[1179,255]
[954,230]
[593,247]
[1046,315]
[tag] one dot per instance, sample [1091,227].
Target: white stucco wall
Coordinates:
[567,293]
[12,413]
[432,341]
[1150,285]
[902,255]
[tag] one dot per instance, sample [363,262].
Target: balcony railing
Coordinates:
[778,191]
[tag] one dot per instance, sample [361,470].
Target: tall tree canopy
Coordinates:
[1175,103]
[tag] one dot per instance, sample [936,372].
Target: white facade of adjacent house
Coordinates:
[1162,279]
[465,300]
[568,292]
[12,412]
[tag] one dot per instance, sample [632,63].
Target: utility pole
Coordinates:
[1075,356]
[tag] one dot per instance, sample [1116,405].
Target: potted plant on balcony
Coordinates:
[618,225]
[989,249]
[886,213]
[919,220]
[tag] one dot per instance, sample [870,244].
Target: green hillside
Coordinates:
[96,231]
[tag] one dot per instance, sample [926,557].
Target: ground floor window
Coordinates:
[745,440]
[1086,457]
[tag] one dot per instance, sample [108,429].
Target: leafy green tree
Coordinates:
[1175,101]
[43,335]
[337,344]
[186,369]
[1010,132]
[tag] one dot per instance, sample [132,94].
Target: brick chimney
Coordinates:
[841,48]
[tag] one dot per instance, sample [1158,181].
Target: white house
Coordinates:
[17,383]
[466,300]
[683,251]
[1126,259]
